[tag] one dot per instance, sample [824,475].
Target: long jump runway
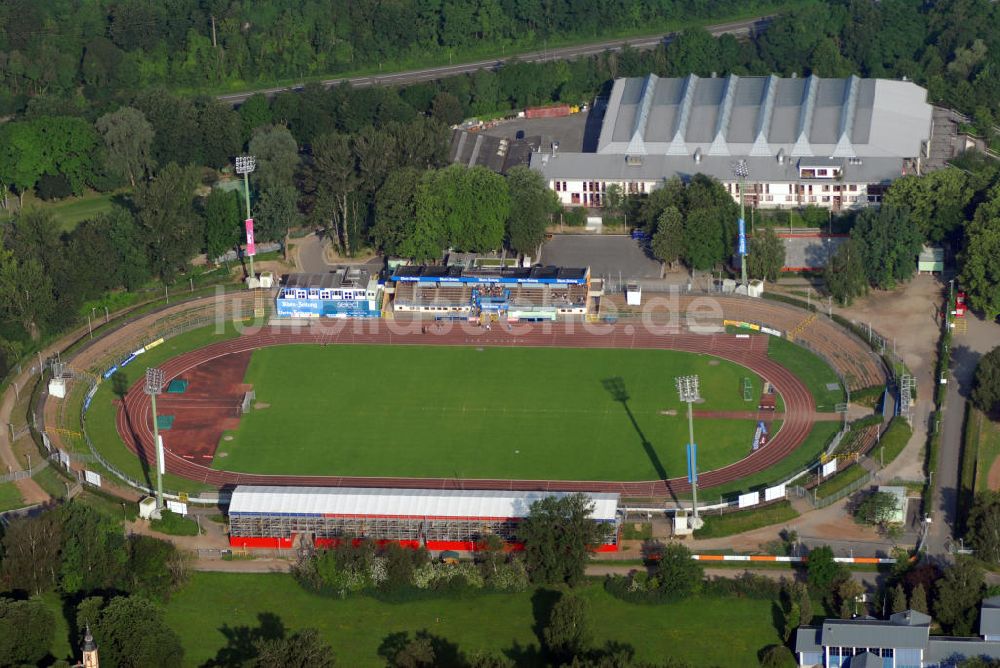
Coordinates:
[135,425]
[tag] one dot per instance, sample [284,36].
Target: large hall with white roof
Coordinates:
[834,143]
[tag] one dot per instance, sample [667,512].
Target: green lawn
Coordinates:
[10,497]
[101,416]
[843,479]
[988,450]
[71,211]
[811,370]
[717,526]
[214,603]
[529,413]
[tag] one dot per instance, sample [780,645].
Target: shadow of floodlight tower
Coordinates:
[687,388]
[154,386]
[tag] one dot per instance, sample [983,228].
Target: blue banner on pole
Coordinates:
[742,248]
[692,457]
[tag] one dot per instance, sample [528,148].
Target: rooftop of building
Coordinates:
[416,503]
[340,277]
[758,116]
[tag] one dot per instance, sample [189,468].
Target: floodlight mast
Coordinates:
[153,387]
[741,171]
[687,388]
[244,165]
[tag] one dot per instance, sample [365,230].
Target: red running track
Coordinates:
[134,423]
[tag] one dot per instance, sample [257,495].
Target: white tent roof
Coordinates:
[478,504]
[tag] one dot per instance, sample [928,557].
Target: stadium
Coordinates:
[357,405]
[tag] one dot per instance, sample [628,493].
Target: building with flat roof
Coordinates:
[833,143]
[345,292]
[902,641]
[469,286]
[438,519]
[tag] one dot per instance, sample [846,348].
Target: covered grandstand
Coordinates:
[468,290]
[265,516]
[344,292]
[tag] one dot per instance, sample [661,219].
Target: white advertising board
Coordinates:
[92,478]
[751,499]
[177,507]
[830,468]
[774,493]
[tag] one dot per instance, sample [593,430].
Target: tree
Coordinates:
[558,537]
[254,113]
[31,553]
[167,218]
[845,273]
[986,388]
[822,571]
[936,202]
[703,232]
[128,137]
[957,596]
[25,291]
[277,211]
[980,262]
[680,576]
[568,632]
[531,205]
[26,631]
[155,567]
[277,157]
[222,215]
[984,524]
[889,244]
[918,599]
[446,108]
[132,633]
[334,185]
[471,205]
[130,260]
[303,649]
[877,509]
[667,243]
[221,133]
[898,599]
[95,556]
[614,201]
[777,656]
[395,210]
[767,255]
[849,592]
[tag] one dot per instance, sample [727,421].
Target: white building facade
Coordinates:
[835,143]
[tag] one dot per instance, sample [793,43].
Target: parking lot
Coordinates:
[607,256]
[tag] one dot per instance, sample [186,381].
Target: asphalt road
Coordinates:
[967,348]
[564,53]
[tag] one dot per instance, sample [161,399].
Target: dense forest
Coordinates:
[106,46]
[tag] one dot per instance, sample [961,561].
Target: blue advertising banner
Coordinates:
[692,456]
[742,238]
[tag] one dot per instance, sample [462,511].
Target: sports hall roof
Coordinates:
[417,503]
[759,116]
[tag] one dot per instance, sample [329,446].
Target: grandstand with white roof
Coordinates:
[262,516]
[833,143]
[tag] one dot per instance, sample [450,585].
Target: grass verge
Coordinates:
[10,496]
[840,481]
[988,451]
[717,526]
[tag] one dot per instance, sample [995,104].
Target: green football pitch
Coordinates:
[524,413]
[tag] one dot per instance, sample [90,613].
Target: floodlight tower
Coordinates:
[244,165]
[741,171]
[154,385]
[687,388]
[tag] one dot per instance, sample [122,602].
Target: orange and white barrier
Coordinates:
[794,560]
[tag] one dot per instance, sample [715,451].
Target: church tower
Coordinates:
[90,659]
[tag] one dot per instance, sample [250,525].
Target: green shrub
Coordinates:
[173,524]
